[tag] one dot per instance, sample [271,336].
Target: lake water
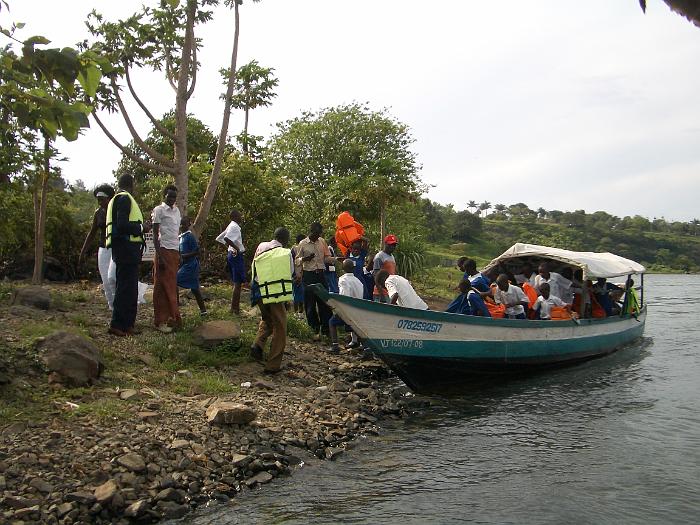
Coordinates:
[615,440]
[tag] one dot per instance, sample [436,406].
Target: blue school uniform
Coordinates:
[469,304]
[188,273]
[362,274]
[331,274]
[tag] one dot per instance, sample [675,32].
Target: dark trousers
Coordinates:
[126,296]
[317,312]
[273,322]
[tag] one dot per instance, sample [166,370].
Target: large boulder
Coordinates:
[34,296]
[229,413]
[72,359]
[214,332]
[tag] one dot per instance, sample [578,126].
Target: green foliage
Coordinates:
[467,226]
[344,158]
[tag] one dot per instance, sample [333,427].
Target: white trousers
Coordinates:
[109,275]
[112,280]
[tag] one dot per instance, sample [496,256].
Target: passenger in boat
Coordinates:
[350,286]
[479,281]
[602,290]
[512,297]
[399,290]
[544,303]
[630,305]
[568,296]
[526,275]
[384,260]
[468,302]
[558,285]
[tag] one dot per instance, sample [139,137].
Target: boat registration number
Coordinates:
[419,326]
[401,343]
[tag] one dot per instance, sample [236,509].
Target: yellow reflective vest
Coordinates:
[135,215]
[274,275]
[631,303]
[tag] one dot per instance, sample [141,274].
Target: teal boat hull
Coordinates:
[433,351]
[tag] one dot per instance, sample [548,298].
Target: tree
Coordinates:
[253,88]
[472,205]
[467,226]
[163,39]
[44,94]
[484,207]
[344,158]
[541,213]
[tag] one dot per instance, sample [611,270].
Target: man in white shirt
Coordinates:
[233,239]
[166,241]
[545,302]
[512,297]
[350,286]
[399,290]
[559,286]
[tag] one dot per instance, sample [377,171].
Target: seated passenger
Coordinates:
[478,281]
[630,305]
[546,301]
[526,275]
[468,302]
[558,285]
[512,297]
[399,290]
[349,285]
[602,290]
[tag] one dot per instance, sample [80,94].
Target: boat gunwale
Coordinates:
[436,316]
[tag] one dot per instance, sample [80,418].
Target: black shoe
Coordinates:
[271,372]
[256,353]
[353,344]
[335,349]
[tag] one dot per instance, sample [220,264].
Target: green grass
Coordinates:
[209,382]
[298,329]
[32,331]
[103,410]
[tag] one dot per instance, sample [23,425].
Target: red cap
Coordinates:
[391,239]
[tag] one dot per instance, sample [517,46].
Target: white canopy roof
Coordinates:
[593,264]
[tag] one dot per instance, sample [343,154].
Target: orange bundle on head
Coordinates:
[347,231]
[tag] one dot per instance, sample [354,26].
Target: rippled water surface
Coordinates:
[616,440]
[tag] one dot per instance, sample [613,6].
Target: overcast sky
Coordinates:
[558,104]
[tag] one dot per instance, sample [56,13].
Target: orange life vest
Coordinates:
[497,311]
[347,231]
[559,313]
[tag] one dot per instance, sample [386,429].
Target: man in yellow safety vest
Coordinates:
[271,289]
[124,234]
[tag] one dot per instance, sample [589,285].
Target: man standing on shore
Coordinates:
[233,238]
[272,288]
[311,263]
[124,235]
[166,229]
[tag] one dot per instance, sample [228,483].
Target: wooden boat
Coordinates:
[432,351]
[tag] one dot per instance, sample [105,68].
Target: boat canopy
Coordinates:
[593,264]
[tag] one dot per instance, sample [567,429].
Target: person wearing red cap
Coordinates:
[384,260]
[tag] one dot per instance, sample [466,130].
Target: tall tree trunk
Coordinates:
[40,215]
[245,131]
[181,98]
[205,207]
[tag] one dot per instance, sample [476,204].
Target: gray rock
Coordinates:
[179,443]
[129,394]
[229,413]
[42,486]
[214,332]
[172,510]
[75,359]
[105,492]
[63,509]
[34,296]
[81,496]
[136,509]
[333,452]
[261,477]
[170,494]
[239,460]
[19,502]
[132,461]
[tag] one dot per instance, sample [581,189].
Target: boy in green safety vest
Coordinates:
[630,305]
[271,289]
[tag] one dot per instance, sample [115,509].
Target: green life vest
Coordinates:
[631,303]
[274,273]
[135,215]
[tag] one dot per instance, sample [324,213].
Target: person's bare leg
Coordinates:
[236,299]
[333,333]
[200,300]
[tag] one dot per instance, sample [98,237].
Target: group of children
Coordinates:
[545,295]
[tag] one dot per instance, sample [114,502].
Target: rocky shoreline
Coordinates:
[170,453]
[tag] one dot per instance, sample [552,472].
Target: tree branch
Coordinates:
[158,157]
[155,121]
[130,154]
[193,70]
[169,73]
